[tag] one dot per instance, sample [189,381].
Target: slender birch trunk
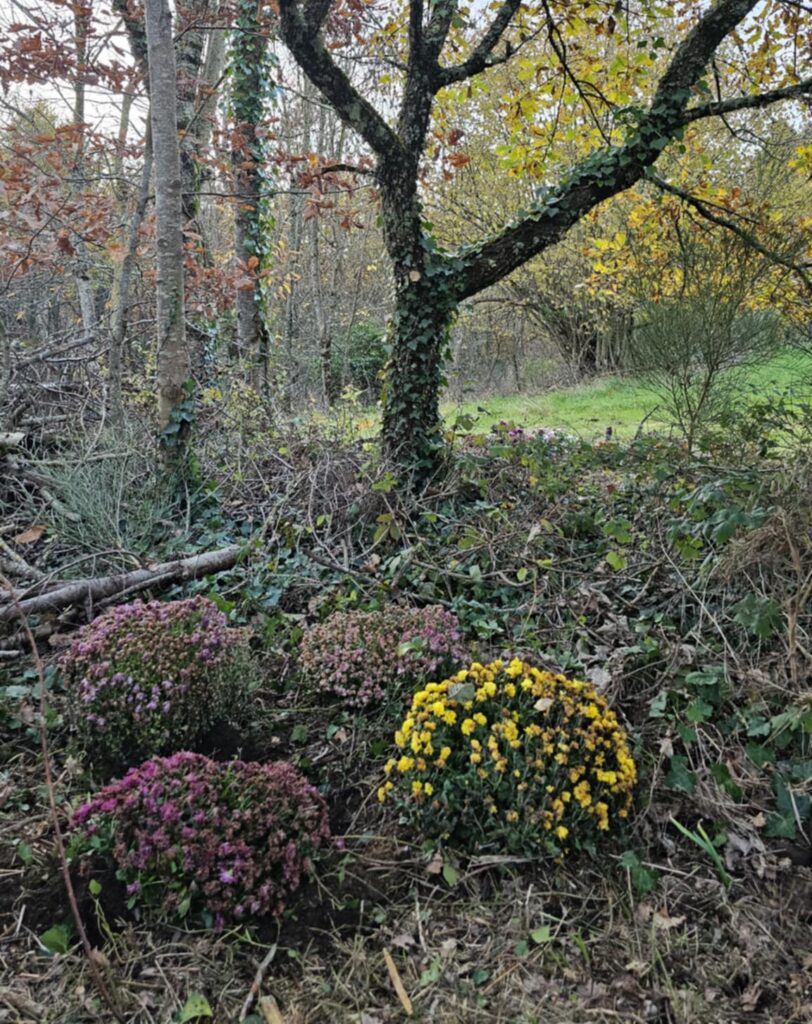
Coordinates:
[174,367]
[123,284]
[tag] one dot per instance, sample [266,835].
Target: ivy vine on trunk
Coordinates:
[429,285]
[252,87]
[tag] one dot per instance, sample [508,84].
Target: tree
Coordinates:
[250,87]
[429,283]
[174,367]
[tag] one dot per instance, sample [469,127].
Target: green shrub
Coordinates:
[359,358]
[692,354]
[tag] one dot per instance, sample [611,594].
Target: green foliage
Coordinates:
[359,357]
[760,615]
[710,846]
[643,878]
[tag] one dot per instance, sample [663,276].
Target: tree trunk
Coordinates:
[122,285]
[189,62]
[250,73]
[419,332]
[173,356]
[291,333]
[82,263]
[419,335]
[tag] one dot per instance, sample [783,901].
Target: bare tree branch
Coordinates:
[481,56]
[718,108]
[300,31]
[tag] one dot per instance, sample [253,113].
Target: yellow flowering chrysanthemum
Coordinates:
[539,748]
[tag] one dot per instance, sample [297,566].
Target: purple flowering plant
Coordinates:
[221,841]
[362,657]
[152,678]
[552,442]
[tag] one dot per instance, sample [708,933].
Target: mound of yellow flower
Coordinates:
[506,756]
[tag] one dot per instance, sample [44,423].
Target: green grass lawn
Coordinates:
[620,402]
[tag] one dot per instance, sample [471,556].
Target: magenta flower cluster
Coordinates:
[511,432]
[194,836]
[151,678]
[361,656]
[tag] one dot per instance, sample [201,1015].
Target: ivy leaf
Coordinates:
[680,776]
[541,934]
[760,615]
[450,873]
[615,560]
[781,826]
[699,710]
[462,692]
[619,530]
[197,1005]
[56,939]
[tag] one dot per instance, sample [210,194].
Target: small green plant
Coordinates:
[710,846]
[642,877]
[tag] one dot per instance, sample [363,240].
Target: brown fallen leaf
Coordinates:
[270,1010]
[646,912]
[398,985]
[750,998]
[663,920]
[29,536]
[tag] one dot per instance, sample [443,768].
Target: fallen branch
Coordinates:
[253,992]
[99,588]
[41,482]
[16,564]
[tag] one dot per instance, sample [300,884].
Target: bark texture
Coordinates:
[123,284]
[173,357]
[102,588]
[250,78]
